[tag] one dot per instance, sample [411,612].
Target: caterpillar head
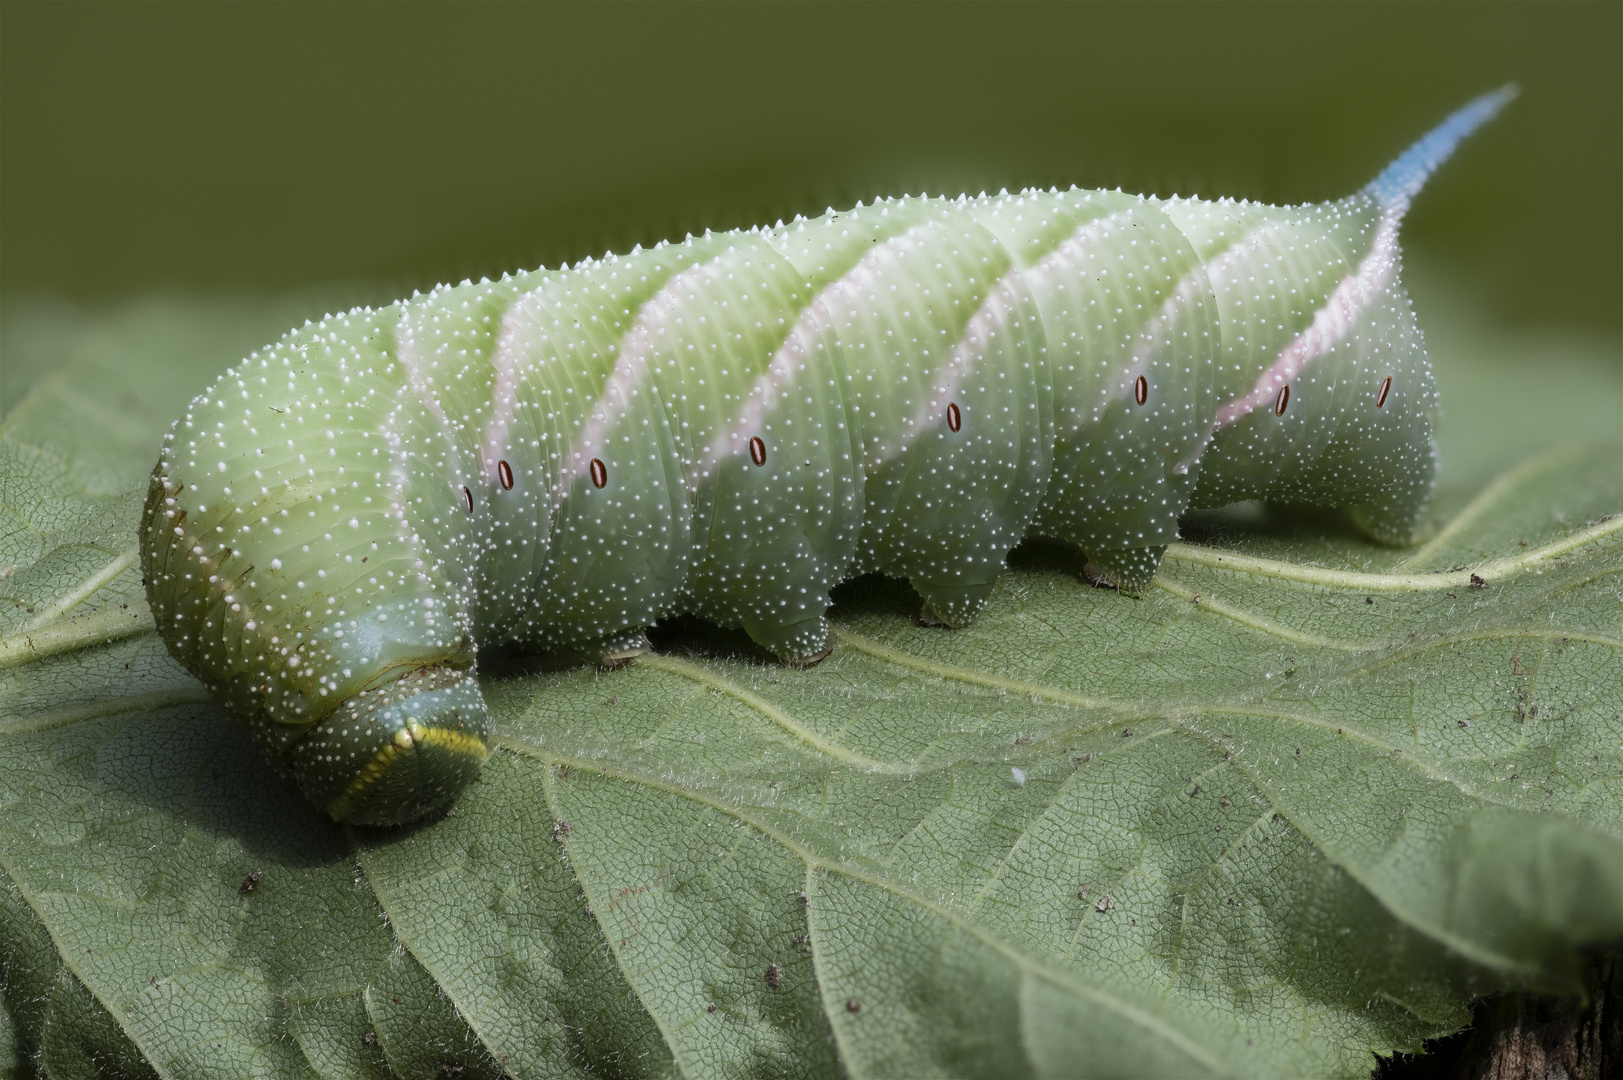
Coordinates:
[397,752]
[353,674]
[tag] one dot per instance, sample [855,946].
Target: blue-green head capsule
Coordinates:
[351,671]
[396,753]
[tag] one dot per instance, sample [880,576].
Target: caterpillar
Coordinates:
[733,424]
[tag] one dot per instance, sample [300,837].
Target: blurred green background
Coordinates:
[264,148]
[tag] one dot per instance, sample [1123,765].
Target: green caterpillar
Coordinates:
[733,424]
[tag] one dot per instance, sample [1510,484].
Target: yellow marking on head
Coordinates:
[457,742]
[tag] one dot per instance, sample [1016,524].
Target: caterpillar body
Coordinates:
[733,424]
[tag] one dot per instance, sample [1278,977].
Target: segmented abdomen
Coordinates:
[733,424]
[910,387]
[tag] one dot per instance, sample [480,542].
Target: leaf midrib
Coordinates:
[1353,580]
[1177,719]
[1024,963]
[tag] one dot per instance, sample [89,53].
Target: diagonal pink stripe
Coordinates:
[813,320]
[1331,323]
[508,362]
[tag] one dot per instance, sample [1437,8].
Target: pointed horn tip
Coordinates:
[1402,180]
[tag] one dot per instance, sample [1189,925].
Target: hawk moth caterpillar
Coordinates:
[733,424]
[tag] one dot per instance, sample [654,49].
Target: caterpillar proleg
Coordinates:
[733,424]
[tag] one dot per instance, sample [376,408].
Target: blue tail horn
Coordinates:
[1402,180]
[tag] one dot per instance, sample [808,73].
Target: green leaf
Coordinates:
[1302,802]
